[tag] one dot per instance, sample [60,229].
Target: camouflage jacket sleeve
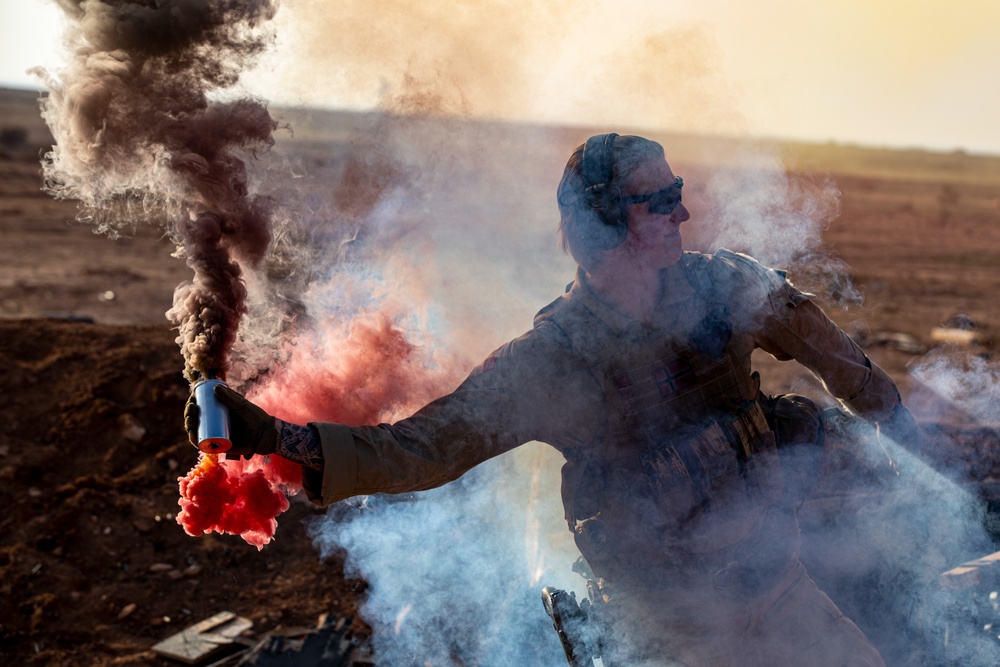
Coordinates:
[790,325]
[524,391]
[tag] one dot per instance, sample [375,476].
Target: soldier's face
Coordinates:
[653,238]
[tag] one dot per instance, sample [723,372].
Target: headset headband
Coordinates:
[598,161]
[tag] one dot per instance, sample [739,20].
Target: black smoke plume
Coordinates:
[139,139]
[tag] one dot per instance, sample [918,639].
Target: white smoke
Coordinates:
[455,574]
[756,206]
[956,384]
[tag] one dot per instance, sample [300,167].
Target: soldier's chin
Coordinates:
[675,251]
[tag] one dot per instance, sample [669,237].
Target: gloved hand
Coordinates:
[251,430]
[902,429]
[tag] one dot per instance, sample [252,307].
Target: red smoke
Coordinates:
[219,496]
[361,374]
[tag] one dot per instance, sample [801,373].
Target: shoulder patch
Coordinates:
[774,281]
[747,265]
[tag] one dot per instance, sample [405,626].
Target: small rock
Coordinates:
[172,465]
[126,611]
[175,575]
[34,492]
[192,570]
[4,450]
[143,525]
[157,568]
[131,429]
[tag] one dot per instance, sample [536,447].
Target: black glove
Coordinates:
[902,429]
[251,430]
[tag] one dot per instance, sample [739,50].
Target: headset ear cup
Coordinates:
[603,200]
[610,212]
[615,216]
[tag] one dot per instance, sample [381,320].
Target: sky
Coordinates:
[900,73]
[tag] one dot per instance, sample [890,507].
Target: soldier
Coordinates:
[640,375]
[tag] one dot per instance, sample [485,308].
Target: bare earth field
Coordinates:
[93,568]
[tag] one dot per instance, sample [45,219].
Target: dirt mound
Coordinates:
[93,566]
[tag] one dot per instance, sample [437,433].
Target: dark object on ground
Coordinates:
[329,644]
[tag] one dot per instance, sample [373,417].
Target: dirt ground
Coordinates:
[93,567]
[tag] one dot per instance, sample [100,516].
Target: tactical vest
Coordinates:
[687,474]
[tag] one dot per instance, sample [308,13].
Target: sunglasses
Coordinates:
[661,202]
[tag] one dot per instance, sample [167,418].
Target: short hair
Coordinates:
[584,234]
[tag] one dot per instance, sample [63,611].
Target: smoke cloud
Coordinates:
[452,578]
[139,140]
[238,499]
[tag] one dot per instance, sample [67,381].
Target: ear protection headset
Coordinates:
[602,198]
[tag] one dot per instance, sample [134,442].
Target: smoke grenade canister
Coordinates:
[213,418]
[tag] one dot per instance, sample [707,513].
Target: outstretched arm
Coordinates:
[527,390]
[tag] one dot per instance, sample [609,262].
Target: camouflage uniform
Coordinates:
[673,485]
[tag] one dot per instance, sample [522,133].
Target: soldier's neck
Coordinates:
[634,292]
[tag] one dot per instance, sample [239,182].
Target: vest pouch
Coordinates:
[724,461]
